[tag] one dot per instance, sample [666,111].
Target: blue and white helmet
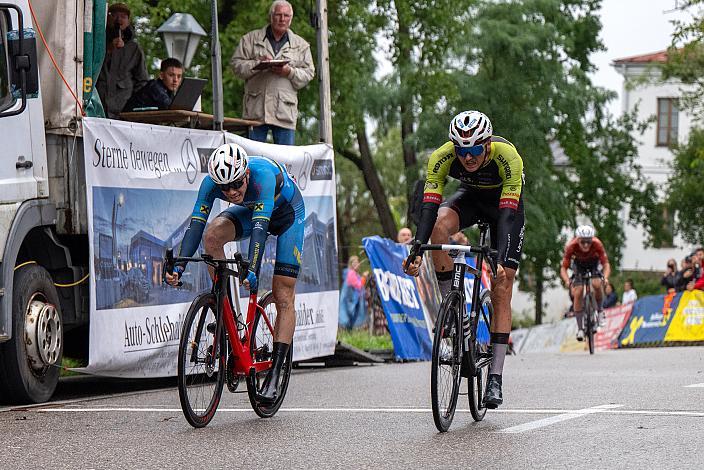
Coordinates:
[470,128]
[227,163]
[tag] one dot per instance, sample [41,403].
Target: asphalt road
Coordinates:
[617,409]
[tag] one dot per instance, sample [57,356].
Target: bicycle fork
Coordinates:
[460,266]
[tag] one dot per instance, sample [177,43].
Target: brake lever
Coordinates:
[169,265]
[415,250]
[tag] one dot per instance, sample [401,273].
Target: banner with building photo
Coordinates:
[317,288]
[141,184]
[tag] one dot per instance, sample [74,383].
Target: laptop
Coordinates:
[188,93]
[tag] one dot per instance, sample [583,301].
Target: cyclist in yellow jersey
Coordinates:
[490,172]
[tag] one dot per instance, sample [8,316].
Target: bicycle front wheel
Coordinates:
[447,358]
[261,348]
[479,354]
[589,311]
[201,363]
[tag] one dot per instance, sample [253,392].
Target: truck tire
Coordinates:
[30,361]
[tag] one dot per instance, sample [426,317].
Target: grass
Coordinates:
[361,339]
[69,362]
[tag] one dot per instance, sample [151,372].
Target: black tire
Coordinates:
[30,366]
[447,359]
[261,347]
[200,377]
[589,316]
[479,354]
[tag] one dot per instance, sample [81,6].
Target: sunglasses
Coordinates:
[237,184]
[585,242]
[473,151]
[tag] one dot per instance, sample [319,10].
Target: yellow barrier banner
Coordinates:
[688,322]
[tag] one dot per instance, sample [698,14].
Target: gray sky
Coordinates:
[632,27]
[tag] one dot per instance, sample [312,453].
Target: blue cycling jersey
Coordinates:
[270,194]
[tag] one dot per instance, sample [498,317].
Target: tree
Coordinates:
[686,58]
[686,196]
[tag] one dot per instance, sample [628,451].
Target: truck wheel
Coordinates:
[30,361]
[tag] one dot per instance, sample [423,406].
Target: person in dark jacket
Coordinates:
[610,298]
[160,92]
[669,279]
[124,70]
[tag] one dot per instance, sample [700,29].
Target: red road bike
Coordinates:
[218,347]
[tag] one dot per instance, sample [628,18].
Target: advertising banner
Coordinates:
[401,299]
[688,321]
[649,320]
[616,319]
[141,184]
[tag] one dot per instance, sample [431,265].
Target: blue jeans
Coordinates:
[282,136]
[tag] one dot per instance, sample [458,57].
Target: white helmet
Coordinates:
[584,231]
[227,163]
[470,128]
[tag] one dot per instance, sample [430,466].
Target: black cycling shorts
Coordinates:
[580,269]
[474,206]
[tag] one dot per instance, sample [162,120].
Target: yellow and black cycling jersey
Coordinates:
[501,173]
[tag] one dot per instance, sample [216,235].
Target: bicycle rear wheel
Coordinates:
[201,363]
[261,348]
[479,354]
[447,358]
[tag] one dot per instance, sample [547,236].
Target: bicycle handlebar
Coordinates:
[220,265]
[491,255]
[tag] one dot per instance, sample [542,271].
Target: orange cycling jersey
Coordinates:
[573,252]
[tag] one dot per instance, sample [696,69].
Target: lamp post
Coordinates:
[182,34]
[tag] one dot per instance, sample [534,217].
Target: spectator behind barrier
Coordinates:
[629,293]
[611,298]
[352,299]
[271,94]
[160,92]
[124,71]
[685,276]
[404,236]
[669,279]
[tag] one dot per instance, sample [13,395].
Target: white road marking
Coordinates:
[562,414]
[541,423]
[701,385]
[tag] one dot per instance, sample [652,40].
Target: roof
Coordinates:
[660,57]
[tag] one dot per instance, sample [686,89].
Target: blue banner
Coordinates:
[399,298]
[649,321]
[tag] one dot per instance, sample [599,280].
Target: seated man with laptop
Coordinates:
[167,91]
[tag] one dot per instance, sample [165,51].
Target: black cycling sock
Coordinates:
[444,282]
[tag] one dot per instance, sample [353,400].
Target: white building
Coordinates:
[653,99]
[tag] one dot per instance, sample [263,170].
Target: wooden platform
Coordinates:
[190,119]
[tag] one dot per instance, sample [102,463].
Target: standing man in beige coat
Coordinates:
[275,63]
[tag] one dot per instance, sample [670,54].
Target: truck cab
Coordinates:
[43,231]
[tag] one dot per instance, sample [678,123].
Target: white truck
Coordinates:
[44,243]
[43,226]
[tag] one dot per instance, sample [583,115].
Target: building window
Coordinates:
[668,121]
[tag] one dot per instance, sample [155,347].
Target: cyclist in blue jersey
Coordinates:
[266,201]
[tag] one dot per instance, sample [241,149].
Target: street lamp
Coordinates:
[182,34]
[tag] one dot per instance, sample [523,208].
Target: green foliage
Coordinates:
[644,282]
[686,57]
[686,193]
